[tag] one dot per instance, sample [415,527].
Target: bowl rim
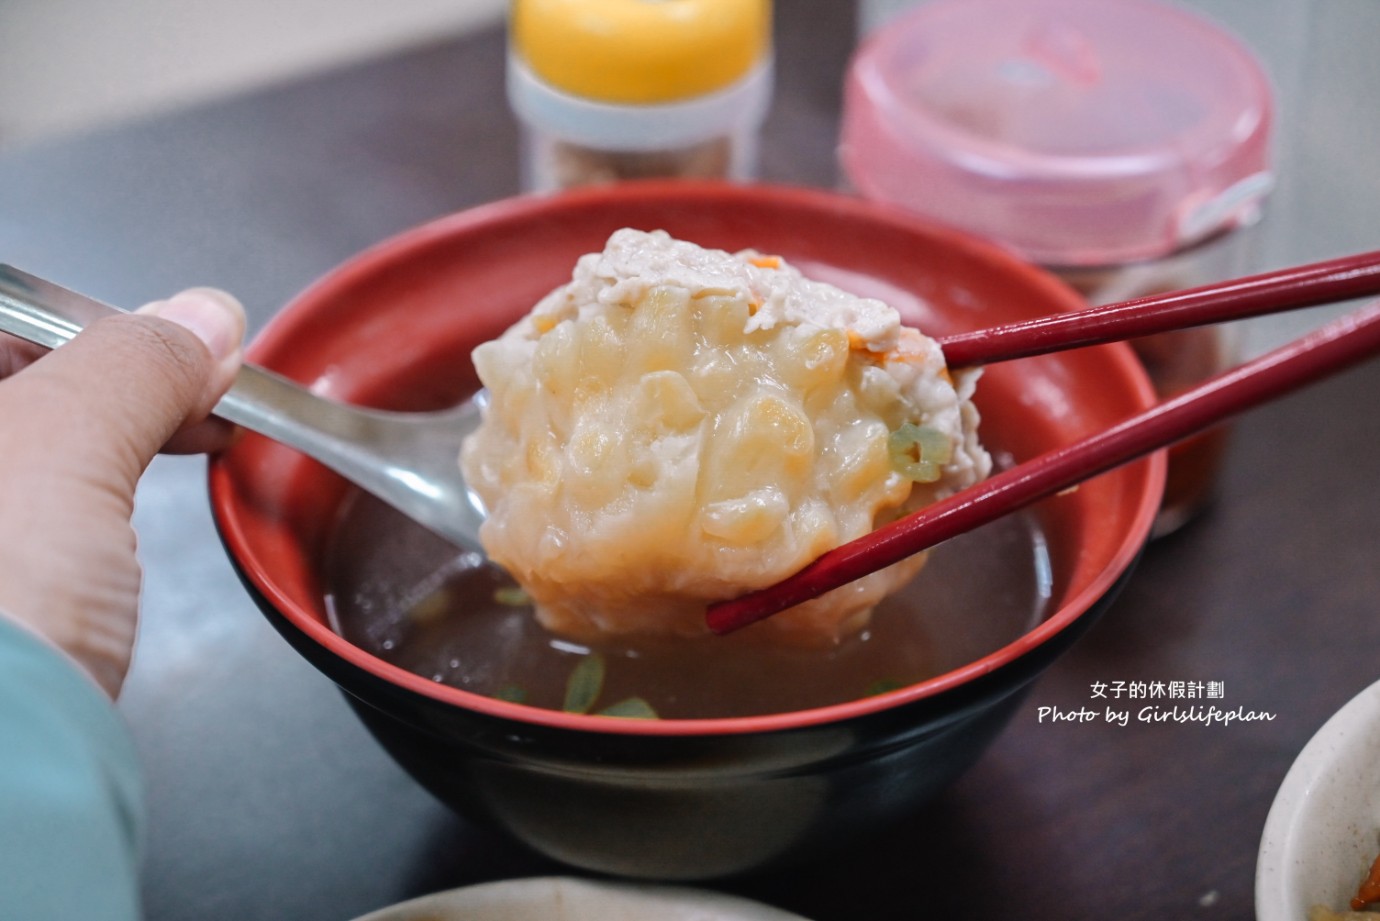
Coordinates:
[548,206]
[690,901]
[1310,770]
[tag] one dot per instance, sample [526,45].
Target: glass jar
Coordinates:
[1122,144]
[1176,361]
[607,90]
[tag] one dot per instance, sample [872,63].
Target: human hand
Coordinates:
[77,429]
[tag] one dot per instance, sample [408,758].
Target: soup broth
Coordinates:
[404,595]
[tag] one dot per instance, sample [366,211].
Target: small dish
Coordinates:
[560,898]
[1323,830]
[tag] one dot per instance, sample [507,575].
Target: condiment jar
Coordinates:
[625,89]
[1123,144]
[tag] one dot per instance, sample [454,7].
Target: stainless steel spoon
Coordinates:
[409,460]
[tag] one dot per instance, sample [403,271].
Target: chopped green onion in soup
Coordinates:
[634,708]
[585,683]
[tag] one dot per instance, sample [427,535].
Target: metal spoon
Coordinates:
[409,460]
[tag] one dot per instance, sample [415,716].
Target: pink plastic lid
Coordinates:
[1079,132]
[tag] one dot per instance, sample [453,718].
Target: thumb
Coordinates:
[217,319]
[101,406]
[78,427]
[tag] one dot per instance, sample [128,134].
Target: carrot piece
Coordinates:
[1370,888]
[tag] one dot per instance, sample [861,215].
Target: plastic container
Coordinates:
[872,14]
[1123,144]
[629,89]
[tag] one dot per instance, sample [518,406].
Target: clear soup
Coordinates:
[405,596]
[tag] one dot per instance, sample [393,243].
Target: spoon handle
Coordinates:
[50,315]
[407,459]
[42,312]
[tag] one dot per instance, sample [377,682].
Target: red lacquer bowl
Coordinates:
[677,798]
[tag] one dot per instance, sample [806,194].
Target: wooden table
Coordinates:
[269,800]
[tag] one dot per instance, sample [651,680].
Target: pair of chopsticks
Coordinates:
[1346,341]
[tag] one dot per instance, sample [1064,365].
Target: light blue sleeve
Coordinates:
[71,801]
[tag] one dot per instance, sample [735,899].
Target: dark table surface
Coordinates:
[269,800]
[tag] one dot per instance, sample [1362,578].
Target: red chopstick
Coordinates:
[1287,289]
[1341,343]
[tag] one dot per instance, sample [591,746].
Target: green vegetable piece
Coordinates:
[431,608]
[585,682]
[512,596]
[883,686]
[512,693]
[919,452]
[633,708]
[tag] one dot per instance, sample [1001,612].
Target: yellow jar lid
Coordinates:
[641,51]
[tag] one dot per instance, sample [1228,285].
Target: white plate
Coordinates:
[568,899]
[1323,830]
